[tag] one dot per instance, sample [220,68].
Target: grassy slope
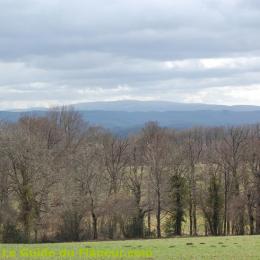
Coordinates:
[243,247]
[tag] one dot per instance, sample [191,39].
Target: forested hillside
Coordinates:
[124,122]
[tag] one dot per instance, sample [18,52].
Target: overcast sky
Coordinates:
[60,51]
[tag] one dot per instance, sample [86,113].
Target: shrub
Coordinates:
[11,234]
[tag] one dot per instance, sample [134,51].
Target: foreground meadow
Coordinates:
[240,247]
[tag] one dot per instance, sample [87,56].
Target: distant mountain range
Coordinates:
[159,106]
[129,116]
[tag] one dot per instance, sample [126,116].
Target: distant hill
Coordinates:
[147,106]
[125,117]
[121,121]
[13,116]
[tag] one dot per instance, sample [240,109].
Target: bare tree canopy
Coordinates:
[64,180]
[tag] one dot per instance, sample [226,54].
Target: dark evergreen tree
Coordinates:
[178,192]
[213,212]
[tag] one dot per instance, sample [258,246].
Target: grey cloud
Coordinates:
[66,51]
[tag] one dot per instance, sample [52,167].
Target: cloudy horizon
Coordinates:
[55,52]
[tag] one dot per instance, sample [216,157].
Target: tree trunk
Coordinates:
[190,214]
[250,214]
[258,203]
[158,213]
[35,235]
[239,222]
[149,223]
[195,233]
[26,229]
[206,228]
[228,225]
[225,202]
[194,201]
[140,224]
[179,215]
[94,218]
[26,221]
[94,226]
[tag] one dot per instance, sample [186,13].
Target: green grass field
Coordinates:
[241,247]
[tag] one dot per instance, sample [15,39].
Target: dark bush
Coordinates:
[70,229]
[11,234]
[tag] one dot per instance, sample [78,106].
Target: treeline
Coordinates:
[64,180]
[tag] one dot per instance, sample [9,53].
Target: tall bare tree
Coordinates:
[193,142]
[156,157]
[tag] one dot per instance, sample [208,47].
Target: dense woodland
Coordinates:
[64,180]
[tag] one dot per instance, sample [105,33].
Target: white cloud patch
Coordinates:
[226,95]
